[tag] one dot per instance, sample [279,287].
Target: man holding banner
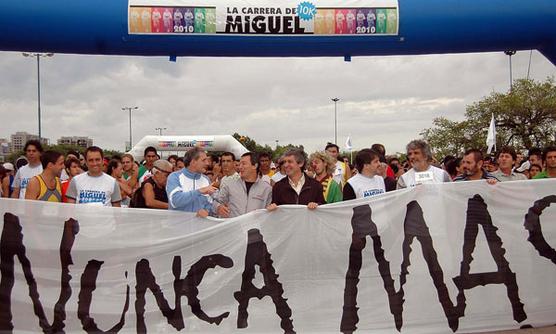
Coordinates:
[188,189]
[506,160]
[472,165]
[366,183]
[245,193]
[298,187]
[94,187]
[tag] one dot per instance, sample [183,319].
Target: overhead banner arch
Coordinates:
[289,28]
[182,144]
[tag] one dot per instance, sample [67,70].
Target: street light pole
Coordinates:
[38,56]
[160,130]
[510,54]
[335,119]
[130,109]
[39,93]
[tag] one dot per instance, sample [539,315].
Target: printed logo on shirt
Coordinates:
[25,182]
[372,192]
[92,196]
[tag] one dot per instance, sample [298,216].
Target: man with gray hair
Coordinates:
[419,155]
[189,189]
[297,187]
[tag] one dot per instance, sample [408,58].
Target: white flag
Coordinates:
[348,144]
[491,137]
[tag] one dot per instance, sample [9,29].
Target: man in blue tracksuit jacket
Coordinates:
[188,189]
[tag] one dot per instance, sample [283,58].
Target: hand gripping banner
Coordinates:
[462,257]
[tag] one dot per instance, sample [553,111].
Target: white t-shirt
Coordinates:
[431,175]
[364,186]
[96,190]
[22,177]
[339,172]
[277,176]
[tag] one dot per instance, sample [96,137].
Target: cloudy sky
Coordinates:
[383,99]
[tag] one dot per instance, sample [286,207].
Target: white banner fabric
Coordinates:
[463,257]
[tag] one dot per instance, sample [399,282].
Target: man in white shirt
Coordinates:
[366,183]
[419,155]
[33,150]
[94,187]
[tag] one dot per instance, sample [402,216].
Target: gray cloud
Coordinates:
[383,99]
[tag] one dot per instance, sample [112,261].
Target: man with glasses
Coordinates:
[33,150]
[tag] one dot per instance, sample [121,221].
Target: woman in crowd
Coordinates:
[534,170]
[73,168]
[115,170]
[7,180]
[3,174]
[130,171]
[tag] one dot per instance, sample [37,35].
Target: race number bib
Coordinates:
[424,177]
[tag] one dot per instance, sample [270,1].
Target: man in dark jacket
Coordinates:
[297,187]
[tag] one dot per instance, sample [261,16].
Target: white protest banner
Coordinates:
[461,257]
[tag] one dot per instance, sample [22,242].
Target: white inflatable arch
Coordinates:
[167,145]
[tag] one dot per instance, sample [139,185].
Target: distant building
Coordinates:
[4,149]
[19,139]
[83,142]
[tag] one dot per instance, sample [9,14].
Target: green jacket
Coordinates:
[333,192]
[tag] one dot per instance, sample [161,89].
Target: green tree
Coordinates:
[281,149]
[252,146]
[64,149]
[525,117]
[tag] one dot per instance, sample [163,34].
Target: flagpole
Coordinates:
[491,136]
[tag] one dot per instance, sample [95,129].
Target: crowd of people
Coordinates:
[228,186]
